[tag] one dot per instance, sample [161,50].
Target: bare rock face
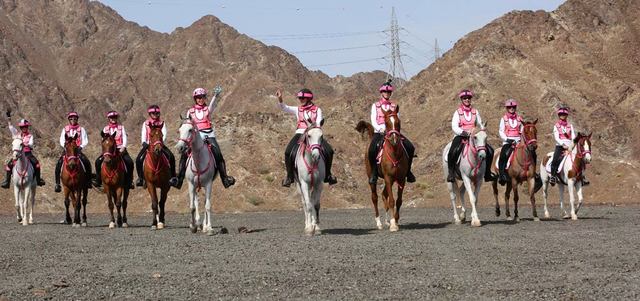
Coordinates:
[64,55]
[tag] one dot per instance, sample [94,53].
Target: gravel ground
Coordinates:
[592,258]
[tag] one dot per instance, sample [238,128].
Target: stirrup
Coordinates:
[228,181]
[140,182]
[330,179]
[58,188]
[286,182]
[5,185]
[411,178]
[40,182]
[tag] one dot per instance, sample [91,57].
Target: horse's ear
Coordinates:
[397,108]
[589,136]
[535,121]
[322,122]
[114,135]
[483,125]
[75,136]
[103,134]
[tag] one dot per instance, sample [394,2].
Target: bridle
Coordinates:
[309,147]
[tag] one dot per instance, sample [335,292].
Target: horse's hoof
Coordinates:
[211,232]
[24,222]
[509,218]
[463,216]
[317,231]
[394,228]
[566,216]
[574,217]
[19,221]
[497,212]
[125,225]
[160,226]
[112,225]
[74,225]
[536,219]
[517,219]
[457,222]
[84,224]
[476,223]
[193,229]
[547,215]
[154,227]
[30,222]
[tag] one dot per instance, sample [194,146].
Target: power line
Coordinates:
[316,35]
[337,49]
[350,62]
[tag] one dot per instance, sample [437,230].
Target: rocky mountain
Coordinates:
[63,55]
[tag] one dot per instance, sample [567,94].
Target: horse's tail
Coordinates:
[365,126]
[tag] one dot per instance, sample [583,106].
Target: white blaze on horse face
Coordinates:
[587,148]
[315,135]
[185,133]
[392,119]
[481,141]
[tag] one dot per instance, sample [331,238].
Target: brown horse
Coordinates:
[393,167]
[113,180]
[157,175]
[74,180]
[522,169]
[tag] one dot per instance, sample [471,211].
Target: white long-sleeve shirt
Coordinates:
[16,133]
[377,128]
[559,141]
[211,107]
[503,136]
[455,120]
[294,110]
[83,136]
[143,134]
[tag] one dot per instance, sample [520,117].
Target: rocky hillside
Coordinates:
[78,55]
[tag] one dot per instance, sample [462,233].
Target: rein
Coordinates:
[22,174]
[395,162]
[149,162]
[474,150]
[306,147]
[194,164]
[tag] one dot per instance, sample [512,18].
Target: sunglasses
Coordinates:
[466,97]
[511,107]
[201,97]
[154,113]
[303,98]
[73,118]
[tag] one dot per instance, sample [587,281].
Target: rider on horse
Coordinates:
[510,131]
[464,120]
[121,144]
[201,115]
[70,130]
[377,121]
[308,111]
[154,120]
[27,147]
[564,134]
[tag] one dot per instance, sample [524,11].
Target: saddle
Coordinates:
[547,167]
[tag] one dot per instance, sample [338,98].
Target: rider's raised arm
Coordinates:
[455,124]
[84,138]
[503,136]
[214,103]
[143,134]
[319,117]
[478,120]
[288,109]
[13,130]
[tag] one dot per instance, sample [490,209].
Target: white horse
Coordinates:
[201,171]
[311,171]
[572,169]
[472,167]
[24,184]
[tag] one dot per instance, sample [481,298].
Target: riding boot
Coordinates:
[97,181]
[585,182]
[7,179]
[502,165]
[227,181]
[373,160]
[139,170]
[488,175]
[289,165]
[39,180]
[87,168]
[182,171]
[173,181]
[329,178]
[58,170]
[410,177]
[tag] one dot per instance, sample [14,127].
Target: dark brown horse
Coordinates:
[74,180]
[522,169]
[394,165]
[157,175]
[113,180]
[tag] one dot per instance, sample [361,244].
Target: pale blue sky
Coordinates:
[304,27]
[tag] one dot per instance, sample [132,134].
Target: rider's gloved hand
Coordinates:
[465,134]
[8,113]
[217,90]
[145,145]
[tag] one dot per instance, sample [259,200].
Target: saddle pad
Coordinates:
[513,153]
[548,166]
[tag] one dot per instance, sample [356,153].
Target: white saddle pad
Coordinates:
[548,166]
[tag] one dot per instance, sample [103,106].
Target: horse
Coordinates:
[572,171]
[201,171]
[472,168]
[74,180]
[24,183]
[113,180]
[310,175]
[522,169]
[393,167]
[156,175]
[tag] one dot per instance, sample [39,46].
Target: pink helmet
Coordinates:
[23,123]
[305,93]
[386,87]
[511,103]
[73,114]
[199,92]
[465,94]
[112,114]
[153,109]
[563,110]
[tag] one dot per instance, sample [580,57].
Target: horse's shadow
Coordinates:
[418,226]
[348,231]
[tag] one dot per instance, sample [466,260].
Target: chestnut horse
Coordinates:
[522,168]
[156,175]
[113,180]
[393,167]
[74,181]
[571,173]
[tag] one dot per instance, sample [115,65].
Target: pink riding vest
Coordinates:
[465,123]
[382,106]
[309,112]
[71,130]
[25,141]
[509,129]
[200,115]
[564,132]
[109,129]
[148,123]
